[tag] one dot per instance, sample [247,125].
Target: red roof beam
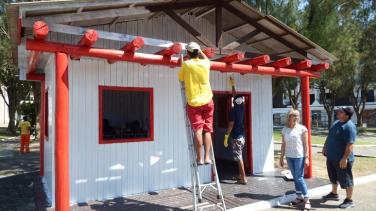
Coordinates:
[300,65]
[143,58]
[132,46]
[260,60]
[35,77]
[89,38]
[209,52]
[322,66]
[280,63]
[231,58]
[171,50]
[40,32]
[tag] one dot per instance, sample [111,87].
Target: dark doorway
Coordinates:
[226,165]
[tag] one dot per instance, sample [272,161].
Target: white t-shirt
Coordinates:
[294,141]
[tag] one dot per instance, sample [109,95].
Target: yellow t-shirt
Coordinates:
[24,127]
[195,74]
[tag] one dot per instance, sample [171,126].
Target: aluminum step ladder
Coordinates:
[197,187]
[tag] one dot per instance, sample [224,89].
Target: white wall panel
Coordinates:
[49,145]
[101,171]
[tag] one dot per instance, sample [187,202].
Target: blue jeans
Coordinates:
[296,166]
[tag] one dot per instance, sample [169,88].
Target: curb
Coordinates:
[287,198]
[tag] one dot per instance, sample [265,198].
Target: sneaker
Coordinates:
[331,196]
[347,204]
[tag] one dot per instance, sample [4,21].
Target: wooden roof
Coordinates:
[262,32]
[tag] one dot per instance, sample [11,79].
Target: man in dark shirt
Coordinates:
[338,149]
[236,131]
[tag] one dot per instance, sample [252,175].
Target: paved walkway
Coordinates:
[24,191]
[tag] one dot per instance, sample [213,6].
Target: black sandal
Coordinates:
[307,209]
[296,202]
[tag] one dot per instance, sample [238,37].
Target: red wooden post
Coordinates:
[89,38]
[62,133]
[307,121]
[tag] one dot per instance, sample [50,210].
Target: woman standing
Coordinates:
[295,147]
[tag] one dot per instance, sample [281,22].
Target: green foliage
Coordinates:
[28,109]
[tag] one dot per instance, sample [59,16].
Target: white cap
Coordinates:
[239,100]
[192,46]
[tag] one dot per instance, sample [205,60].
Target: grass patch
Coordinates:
[315,139]
[4,133]
[366,130]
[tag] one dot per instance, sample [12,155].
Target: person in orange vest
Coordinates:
[25,128]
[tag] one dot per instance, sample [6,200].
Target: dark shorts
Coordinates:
[201,116]
[342,176]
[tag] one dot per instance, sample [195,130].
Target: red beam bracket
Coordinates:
[169,51]
[35,77]
[209,52]
[322,66]
[89,38]
[280,63]
[300,65]
[132,46]
[231,58]
[40,32]
[261,60]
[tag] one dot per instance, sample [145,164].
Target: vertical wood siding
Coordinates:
[101,171]
[49,145]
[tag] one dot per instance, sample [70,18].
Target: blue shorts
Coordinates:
[342,176]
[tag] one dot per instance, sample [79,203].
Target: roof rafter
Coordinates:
[189,28]
[69,17]
[264,29]
[182,5]
[242,39]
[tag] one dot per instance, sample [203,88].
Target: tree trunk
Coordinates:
[12,128]
[36,88]
[330,120]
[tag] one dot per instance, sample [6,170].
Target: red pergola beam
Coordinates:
[89,38]
[132,46]
[209,52]
[231,58]
[322,66]
[301,65]
[280,63]
[40,32]
[35,77]
[160,60]
[169,51]
[260,60]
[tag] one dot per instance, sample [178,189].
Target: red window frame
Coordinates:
[151,112]
[46,123]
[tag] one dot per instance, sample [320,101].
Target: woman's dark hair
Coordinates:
[193,54]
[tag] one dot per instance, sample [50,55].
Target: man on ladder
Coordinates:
[200,106]
[195,87]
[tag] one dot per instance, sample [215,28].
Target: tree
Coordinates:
[12,89]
